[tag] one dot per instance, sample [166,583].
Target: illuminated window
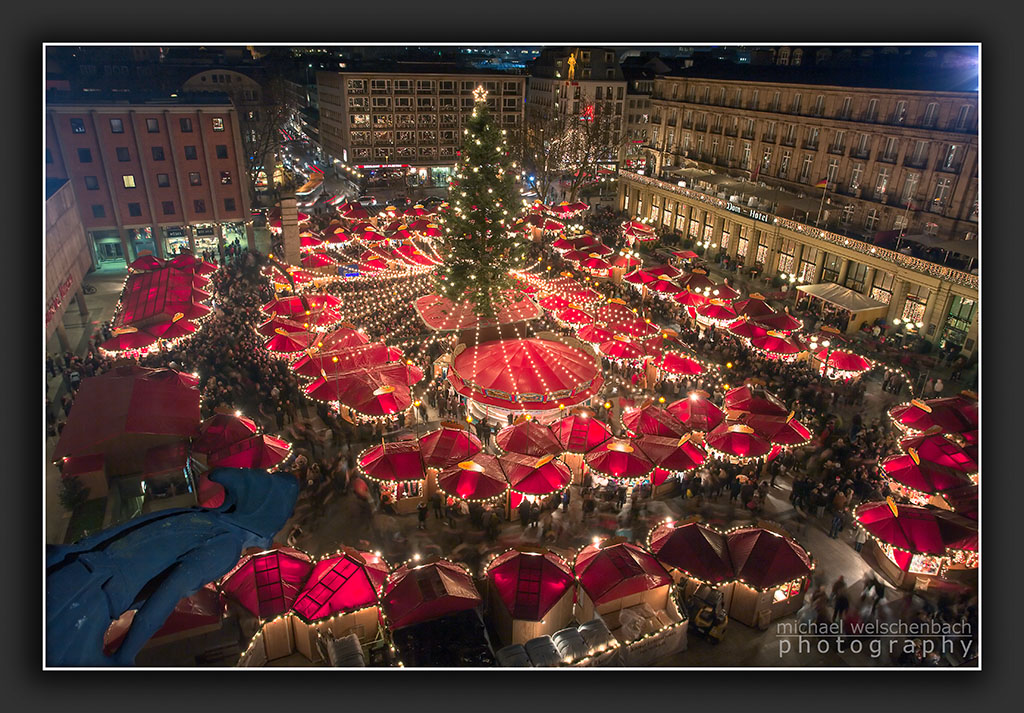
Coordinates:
[218,124]
[129,181]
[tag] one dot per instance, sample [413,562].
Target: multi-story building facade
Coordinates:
[151,175]
[579,81]
[881,150]
[410,119]
[943,299]
[67,258]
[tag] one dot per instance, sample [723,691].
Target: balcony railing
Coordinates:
[942,272]
[912,162]
[859,153]
[768,138]
[787,141]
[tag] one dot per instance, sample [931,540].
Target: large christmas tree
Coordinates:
[484,200]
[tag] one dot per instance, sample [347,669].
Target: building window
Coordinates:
[190,153]
[833,170]
[958,321]
[856,174]
[152,126]
[950,161]
[891,149]
[123,155]
[135,210]
[899,114]
[805,169]
[917,301]
[91,183]
[78,127]
[128,180]
[871,114]
[942,187]
[225,178]
[163,180]
[194,178]
[98,212]
[116,126]
[218,124]
[186,125]
[963,117]
[199,205]
[855,274]
[229,204]
[846,218]
[784,165]
[222,150]
[909,188]
[881,183]
[786,252]
[830,268]
[158,153]
[931,114]
[881,288]
[807,267]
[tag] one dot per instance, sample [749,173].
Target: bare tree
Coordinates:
[556,144]
[261,130]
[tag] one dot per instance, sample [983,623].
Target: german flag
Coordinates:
[822,183]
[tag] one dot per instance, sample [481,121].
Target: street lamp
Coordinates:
[828,352]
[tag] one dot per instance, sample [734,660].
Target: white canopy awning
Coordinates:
[842,297]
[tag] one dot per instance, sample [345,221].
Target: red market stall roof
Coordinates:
[477,479]
[676,455]
[763,559]
[156,296]
[417,593]
[371,391]
[565,209]
[530,582]
[343,336]
[295,308]
[615,570]
[127,402]
[938,449]
[126,340]
[592,334]
[620,347]
[752,399]
[288,342]
[221,430]
[779,322]
[753,306]
[258,451]
[267,583]
[171,330]
[580,432]
[594,264]
[637,327]
[614,311]
[341,583]
[448,445]
[954,414]
[393,462]
[147,262]
[674,363]
[553,302]
[439,313]
[924,476]
[528,475]
[689,298]
[745,329]
[916,529]
[654,420]
[619,460]
[574,316]
[336,361]
[696,279]
[626,262]
[270,327]
[697,550]
[525,374]
[777,345]
[843,360]
[697,412]
[736,440]
[638,226]
[716,311]
[663,285]
[779,430]
[528,437]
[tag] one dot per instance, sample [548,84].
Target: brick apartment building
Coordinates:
[150,174]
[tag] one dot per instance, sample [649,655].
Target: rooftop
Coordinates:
[135,97]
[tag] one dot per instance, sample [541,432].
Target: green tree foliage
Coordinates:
[484,202]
